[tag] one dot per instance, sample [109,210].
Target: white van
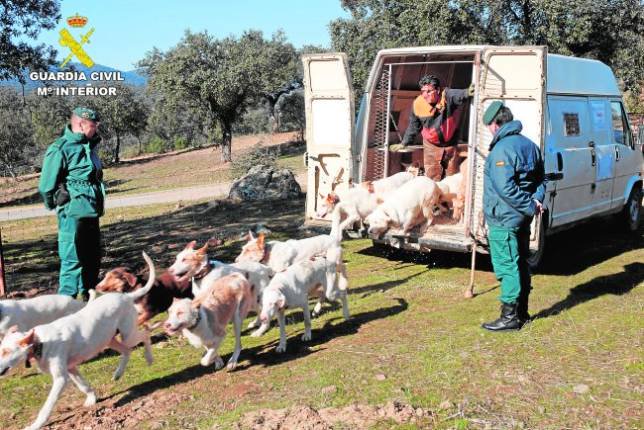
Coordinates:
[570,107]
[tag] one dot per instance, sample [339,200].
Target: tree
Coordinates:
[608,30]
[223,76]
[16,144]
[21,20]
[120,115]
[49,116]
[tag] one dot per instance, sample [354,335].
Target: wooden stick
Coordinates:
[3,291]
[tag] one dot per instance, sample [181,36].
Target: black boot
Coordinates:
[508,320]
[522,310]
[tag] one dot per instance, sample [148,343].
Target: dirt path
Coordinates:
[179,194]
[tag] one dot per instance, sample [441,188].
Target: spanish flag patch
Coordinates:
[500,163]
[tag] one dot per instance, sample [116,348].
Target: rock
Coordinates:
[265,183]
[380,377]
[581,388]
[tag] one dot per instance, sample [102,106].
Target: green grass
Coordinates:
[409,323]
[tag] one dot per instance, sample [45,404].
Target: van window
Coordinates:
[571,124]
[620,124]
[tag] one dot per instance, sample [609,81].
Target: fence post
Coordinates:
[3,291]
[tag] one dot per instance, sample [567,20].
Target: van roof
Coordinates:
[565,75]
[572,75]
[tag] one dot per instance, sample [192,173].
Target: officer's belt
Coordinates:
[81,182]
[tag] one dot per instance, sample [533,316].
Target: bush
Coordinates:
[155,145]
[256,156]
[181,143]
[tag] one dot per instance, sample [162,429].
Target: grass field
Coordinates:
[412,338]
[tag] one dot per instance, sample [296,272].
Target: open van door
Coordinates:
[516,76]
[328,100]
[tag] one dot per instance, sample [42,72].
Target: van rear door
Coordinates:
[516,76]
[328,99]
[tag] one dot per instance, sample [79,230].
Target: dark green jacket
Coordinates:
[72,160]
[514,178]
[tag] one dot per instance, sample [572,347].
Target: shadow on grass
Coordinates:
[259,355]
[617,284]
[381,287]
[161,236]
[567,253]
[28,199]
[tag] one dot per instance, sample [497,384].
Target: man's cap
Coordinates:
[86,113]
[491,111]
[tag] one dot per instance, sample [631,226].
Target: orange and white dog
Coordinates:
[203,320]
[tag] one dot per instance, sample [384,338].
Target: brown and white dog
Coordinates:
[453,189]
[194,264]
[165,288]
[280,255]
[357,203]
[412,205]
[203,320]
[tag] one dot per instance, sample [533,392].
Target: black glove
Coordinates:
[61,196]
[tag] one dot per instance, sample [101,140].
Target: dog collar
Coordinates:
[202,272]
[198,320]
[36,351]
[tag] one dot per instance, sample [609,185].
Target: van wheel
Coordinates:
[536,258]
[632,211]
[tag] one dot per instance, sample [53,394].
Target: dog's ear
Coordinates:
[251,236]
[191,245]
[203,250]
[260,240]
[332,198]
[28,339]
[130,279]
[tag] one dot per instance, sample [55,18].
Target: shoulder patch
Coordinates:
[500,163]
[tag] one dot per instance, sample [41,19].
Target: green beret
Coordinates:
[86,113]
[491,111]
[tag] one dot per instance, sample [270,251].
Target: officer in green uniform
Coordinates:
[513,193]
[71,183]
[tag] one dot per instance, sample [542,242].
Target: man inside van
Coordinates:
[513,193]
[436,114]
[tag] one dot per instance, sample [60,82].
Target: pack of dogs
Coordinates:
[203,296]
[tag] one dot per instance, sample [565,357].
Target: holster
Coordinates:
[61,196]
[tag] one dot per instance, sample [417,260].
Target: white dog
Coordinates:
[203,320]
[280,255]
[410,206]
[292,288]
[194,263]
[28,313]
[356,203]
[59,347]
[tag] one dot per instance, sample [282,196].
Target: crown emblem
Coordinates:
[77,21]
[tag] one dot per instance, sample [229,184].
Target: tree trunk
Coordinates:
[117,148]
[226,144]
[140,145]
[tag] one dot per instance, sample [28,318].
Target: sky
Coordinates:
[126,29]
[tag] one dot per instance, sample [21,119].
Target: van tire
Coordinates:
[536,258]
[631,213]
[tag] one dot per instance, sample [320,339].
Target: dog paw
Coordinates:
[306,337]
[251,325]
[231,365]
[90,400]
[257,333]
[280,349]
[117,375]
[219,363]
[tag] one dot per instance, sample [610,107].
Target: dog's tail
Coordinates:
[137,294]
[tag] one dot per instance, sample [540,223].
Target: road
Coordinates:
[168,196]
